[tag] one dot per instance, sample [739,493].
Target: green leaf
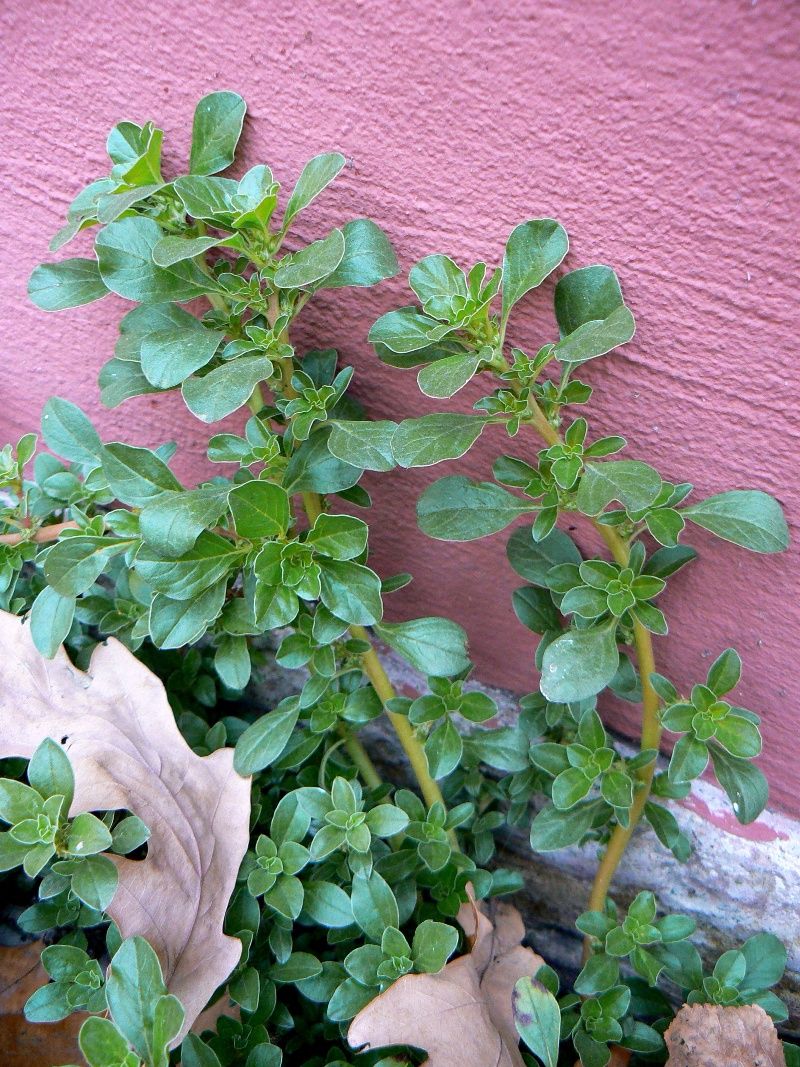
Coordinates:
[18,801]
[101,1043]
[87,835]
[338,536]
[367,445]
[590,294]
[765,957]
[12,853]
[265,740]
[351,592]
[217,126]
[745,517]
[136,475]
[128,835]
[311,263]
[457,509]
[533,250]
[232,662]
[299,966]
[635,485]
[316,175]
[738,736]
[600,972]
[211,199]
[94,881]
[569,787]
[553,829]
[136,153]
[171,522]
[167,1023]
[667,561]
[744,783]
[259,509]
[533,560]
[328,905]
[69,284]
[404,330]
[119,380]
[725,672]
[374,904]
[73,564]
[665,524]
[125,257]
[689,759]
[443,749]
[368,257]
[170,354]
[537,1018]
[435,438]
[209,560]
[435,646]
[434,943]
[195,1053]
[579,664]
[170,250]
[667,830]
[135,984]
[50,771]
[224,389]
[175,623]
[313,469]
[535,609]
[444,377]
[51,620]
[597,337]
[386,820]
[119,201]
[48,1003]
[68,432]
[439,283]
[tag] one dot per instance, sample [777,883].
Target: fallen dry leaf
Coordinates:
[25,1044]
[126,750]
[706,1035]
[461,1016]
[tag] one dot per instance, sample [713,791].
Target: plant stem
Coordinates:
[651,727]
[41,536]
[360,757]
[374,670]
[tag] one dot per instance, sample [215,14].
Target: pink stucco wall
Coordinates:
[662,134]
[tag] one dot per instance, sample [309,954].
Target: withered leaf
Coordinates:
[462,1016]
[126,751]
[707,1035]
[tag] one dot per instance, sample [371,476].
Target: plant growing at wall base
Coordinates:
[350,888]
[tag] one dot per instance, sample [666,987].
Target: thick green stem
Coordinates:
[374,670]
[651,727]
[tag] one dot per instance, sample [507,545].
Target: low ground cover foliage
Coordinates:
[359,905]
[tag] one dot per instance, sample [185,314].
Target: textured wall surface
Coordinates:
[662,134]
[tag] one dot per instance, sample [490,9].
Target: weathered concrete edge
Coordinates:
[737,882]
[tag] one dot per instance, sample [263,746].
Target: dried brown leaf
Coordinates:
[706,1035]
[461,1016]
[126,751]
[25,1044]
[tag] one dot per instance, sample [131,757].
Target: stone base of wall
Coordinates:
[739,880]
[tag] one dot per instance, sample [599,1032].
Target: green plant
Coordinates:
[351,882]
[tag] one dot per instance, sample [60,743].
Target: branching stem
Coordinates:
[651,727]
